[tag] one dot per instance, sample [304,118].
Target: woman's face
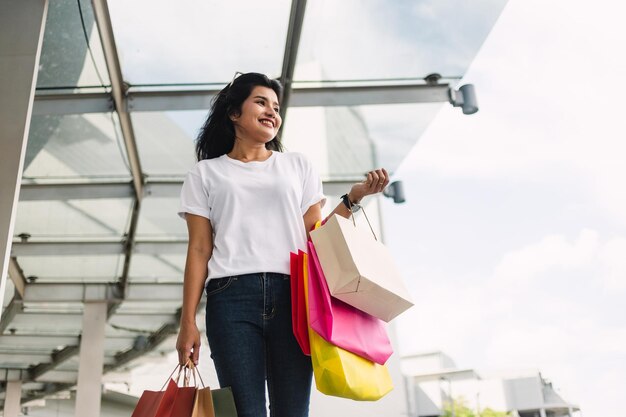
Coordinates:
[259,119]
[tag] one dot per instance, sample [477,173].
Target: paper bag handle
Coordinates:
[366,218]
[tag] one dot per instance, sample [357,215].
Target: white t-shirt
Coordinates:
[255,209]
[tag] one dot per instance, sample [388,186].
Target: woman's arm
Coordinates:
[199,252]
[375,182]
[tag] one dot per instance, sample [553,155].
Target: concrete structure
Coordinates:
[434,384]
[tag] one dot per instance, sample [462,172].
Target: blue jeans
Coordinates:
[248,322]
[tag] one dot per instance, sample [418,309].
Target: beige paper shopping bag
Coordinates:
[360,270]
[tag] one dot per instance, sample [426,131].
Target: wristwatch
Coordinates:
[353,207]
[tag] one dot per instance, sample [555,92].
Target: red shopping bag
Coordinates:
[298,306]
[341,324]
[175,401]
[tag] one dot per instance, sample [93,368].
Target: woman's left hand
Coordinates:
[375,182]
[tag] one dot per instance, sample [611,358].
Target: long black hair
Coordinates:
[217,135]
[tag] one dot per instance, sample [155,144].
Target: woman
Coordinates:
[247,206]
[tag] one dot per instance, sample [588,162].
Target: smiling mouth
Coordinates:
[267,122]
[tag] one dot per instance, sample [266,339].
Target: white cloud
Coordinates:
[613,257]
[517,319]
[553,251]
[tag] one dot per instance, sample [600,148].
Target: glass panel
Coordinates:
[140,323]
[75,146]
[115,344]
[73,218]
[166,141]
[146,307]
[396,128]
[97,268]
[346,142]
[66,61]
[157,268]
[159,218]
[47,323]
[409,40]
[198,41]
[73,363]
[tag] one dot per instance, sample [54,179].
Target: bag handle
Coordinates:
[187,371]
[366,218]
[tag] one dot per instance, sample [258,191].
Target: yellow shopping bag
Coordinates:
[341,373]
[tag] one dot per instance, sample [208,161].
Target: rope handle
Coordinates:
[366,218]
[187,371]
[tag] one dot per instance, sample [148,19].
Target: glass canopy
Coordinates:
[104,179]
[71,54]
[70,147]
[198,41]
[403,39]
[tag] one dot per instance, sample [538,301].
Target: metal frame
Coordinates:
[123,99]
[171,189]
[316,96]
[294,30]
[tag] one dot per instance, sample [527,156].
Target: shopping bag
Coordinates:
[341,324]
[175,401]
[341,373]
[298,307]
[213,402]
[359,269]
[224,402]
[203,403]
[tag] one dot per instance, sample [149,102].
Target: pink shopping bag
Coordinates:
[341,324]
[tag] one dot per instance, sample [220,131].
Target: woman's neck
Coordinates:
[246,153]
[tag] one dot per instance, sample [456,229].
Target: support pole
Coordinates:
[91,360]
[21,35]
[12,398]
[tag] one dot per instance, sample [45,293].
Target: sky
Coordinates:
[513,236]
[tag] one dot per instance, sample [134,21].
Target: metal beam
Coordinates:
[57,358]
[66,248]
[58,104]
[296,19]
[160,189]
[118,90]
[12,374]
[67,377]
[76,191]
[36,341]
[63,293]
[324,96]
[11,358]
[152,342]
[360,96]
[17,276]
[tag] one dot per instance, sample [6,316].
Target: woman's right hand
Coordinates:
[188,343]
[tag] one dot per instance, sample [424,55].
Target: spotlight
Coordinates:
[395,190]
[465,98]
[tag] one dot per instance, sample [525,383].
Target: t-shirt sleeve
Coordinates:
[312,191]
[194,197]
